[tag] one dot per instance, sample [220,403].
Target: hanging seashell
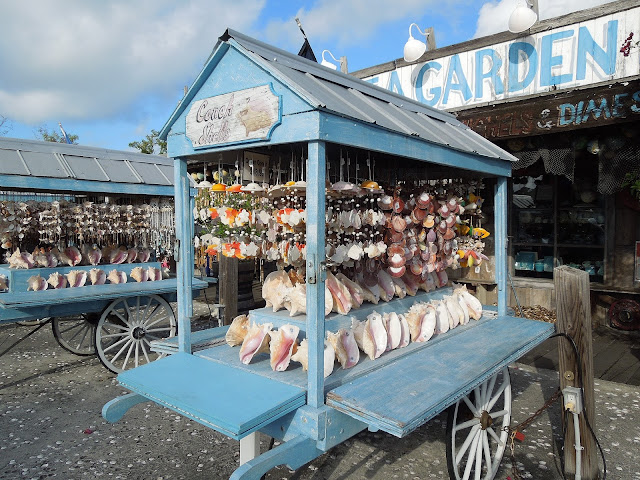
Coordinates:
[97,276]
[77,278]
[36,283]
[57,280]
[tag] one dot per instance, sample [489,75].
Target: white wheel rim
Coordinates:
[127,327]
[478,444]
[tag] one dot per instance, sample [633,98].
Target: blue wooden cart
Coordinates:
[116,321]
[464,369]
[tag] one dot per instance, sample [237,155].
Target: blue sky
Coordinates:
[111,71]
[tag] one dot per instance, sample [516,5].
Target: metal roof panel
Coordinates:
[43,164]
[86,168]
[11,163]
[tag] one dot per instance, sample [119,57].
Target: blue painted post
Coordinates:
[501,243]
[184,268]
[315,277]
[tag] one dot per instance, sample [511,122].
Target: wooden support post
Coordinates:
[573,308]
[228,285]
[249,447]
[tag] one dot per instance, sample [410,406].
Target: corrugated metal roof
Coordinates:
[77,162]
[348,96]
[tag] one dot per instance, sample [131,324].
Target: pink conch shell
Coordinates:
[37,283]
[302,356]
[116,255]
[473,304]
[91,255]
[143,255]
[275,289]
[237,331]
[342,302]
[442,317]
[57,280]
[394,330]
[371,335]
[3,282]
[97,276]
[21,260]
[77,278]
[405,335]
[411,282]
[117,277]
[155,274]
[418,314]
[132,254]
[70,256]
[385,282]
[281,346]
[456,313]
[45,259]
[346,348]
[355,290]
[139,274]
[256,341]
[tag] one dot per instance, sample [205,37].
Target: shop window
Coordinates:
[555,221]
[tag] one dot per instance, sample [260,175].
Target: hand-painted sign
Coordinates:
[553,113]
[566,57]
[241,116]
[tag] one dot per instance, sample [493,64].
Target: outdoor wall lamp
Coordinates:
[414,49]
[523,17]
[333,66]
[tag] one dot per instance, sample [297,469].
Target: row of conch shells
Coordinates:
[72,256]
[374,336]
[342,294]
[78,278]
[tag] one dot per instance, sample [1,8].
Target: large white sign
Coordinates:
[585,53]
[241,116]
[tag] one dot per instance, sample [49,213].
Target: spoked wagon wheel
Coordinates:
[476,433]
[126,328]
[76,334]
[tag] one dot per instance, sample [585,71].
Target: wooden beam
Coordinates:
[228,284]
[573,309]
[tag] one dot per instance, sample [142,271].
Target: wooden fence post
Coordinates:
[228,285]
[573,309]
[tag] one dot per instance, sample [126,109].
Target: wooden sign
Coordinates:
[592,107]
[236,117]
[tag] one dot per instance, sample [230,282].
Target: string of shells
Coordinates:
[373,337]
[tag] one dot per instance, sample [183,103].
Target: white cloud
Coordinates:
[81,60]
[494,16]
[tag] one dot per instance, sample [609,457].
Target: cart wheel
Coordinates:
[76,334]
[126,328]
[476,433]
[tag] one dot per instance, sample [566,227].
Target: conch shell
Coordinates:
[443,322]
[394,330]
[97,276]
[70,256]
[115,255]
[44,259]
[143,255]
[117,277]
[155,274]
[37,283]
[57,280]
[282,345]
[20,259]
[256,341]
[345,346]
[371,335]
[132,254]
[91,255]
[237,331]
[77,278]
[473,304]
[421,319]
[140,274]
[302,356]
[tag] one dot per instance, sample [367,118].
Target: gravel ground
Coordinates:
[51,427]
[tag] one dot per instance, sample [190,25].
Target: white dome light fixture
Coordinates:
[414,49]
[523,17]
[327,63]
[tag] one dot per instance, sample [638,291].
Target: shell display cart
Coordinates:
[253,96]
[82,230]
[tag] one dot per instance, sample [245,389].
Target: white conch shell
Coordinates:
[474,305]
[405,336]
[97,276]
[139,274]
[45,259]
[237,331]
[302,356]
[37,283]
[463,306]
[155,274]
[281,346]
[91,255]
[275,289]
[256,341]
[456,313]
[394,330]
[296,301]
[442,317]
[345,346]
[117,277]
[370,335]
[77,278]
[21,260]
[57,280]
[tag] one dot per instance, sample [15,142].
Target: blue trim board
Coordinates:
[83,186]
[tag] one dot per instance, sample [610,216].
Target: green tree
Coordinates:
[151,144]
[53,136]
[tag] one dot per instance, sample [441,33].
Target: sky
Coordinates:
[111,71]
